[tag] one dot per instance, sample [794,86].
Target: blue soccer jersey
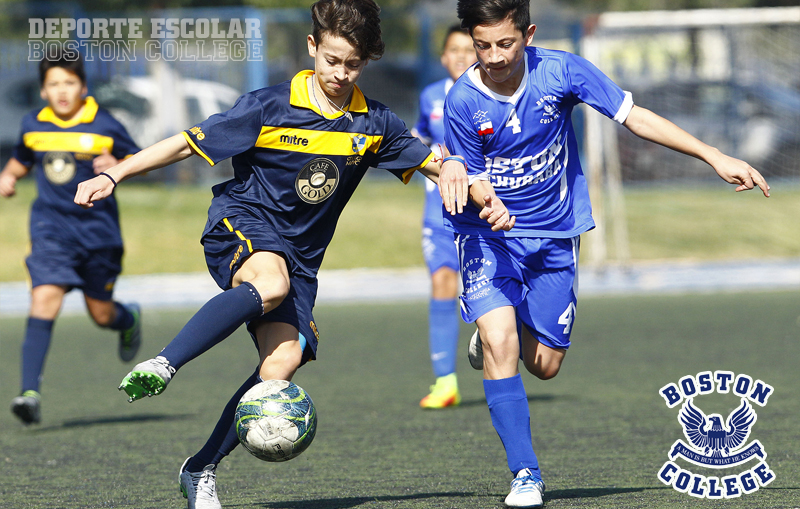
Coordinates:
[62,152]
[430,127]
[294,167]
[526,144]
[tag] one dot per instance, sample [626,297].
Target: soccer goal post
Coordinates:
[731,77]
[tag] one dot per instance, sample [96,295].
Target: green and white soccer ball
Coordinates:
[276,420]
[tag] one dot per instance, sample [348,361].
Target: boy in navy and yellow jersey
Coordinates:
[298,149]
[69,141]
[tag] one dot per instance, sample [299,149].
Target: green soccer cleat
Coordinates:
[443,394]
[148,378]
[28,407]
[131,339]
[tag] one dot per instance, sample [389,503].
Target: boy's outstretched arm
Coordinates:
[13,171]
[649,126]
[161,154]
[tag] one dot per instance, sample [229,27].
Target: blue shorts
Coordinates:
[228,244]
[60,261]
[536,276]
[439,248]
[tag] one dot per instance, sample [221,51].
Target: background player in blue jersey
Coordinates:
[298,149]
[510,119]
[69,141]
[437,242]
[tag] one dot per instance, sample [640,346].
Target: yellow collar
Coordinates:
[86,116]
[301,99]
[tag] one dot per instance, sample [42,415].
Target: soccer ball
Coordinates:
[276,420]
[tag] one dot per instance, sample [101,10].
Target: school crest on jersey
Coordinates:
[359,143]
[59,167]
[549,104]
[317,181]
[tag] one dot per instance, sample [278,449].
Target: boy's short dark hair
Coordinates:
[491,12]
[453,29]
[356,21]
[68,59]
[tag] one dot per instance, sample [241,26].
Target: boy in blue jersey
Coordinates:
[509,117]
[437,243]
[69,141]
[298,149]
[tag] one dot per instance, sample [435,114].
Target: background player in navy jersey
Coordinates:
[298,149]
[437,242]
[509,117]
[69,141]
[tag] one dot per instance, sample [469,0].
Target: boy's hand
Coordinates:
[496,214]
[103,162]
[92,190]
[737,172]
[8,185]
[453,186]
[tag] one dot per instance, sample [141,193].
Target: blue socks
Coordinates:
[223,439]
[215,321]
[508,406]
[34,352]
[124,319]
[443,335]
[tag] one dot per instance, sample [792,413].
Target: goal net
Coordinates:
[731,77]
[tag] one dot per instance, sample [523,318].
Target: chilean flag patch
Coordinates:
[485,128]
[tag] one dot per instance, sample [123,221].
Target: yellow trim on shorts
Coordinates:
[238,234]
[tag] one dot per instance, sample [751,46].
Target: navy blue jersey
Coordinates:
[526,145]
[62,152]
[296,168]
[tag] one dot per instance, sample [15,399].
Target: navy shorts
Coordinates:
[536,276]
[227,245]
[59,261]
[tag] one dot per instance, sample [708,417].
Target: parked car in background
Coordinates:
[757,122]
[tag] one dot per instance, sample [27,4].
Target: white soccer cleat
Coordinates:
[527,490]
[200,488]
[475,351]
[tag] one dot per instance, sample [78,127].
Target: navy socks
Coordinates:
[443,335]
[511,417]
[34,352]
[223,439]
[215,321]
[124,319]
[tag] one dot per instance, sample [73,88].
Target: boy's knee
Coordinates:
[272,290]
[543,372]
[103,315]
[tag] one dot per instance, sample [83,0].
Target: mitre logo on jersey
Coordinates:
[317,181]
[710,443]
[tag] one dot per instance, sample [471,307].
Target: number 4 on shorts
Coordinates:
[567,317]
